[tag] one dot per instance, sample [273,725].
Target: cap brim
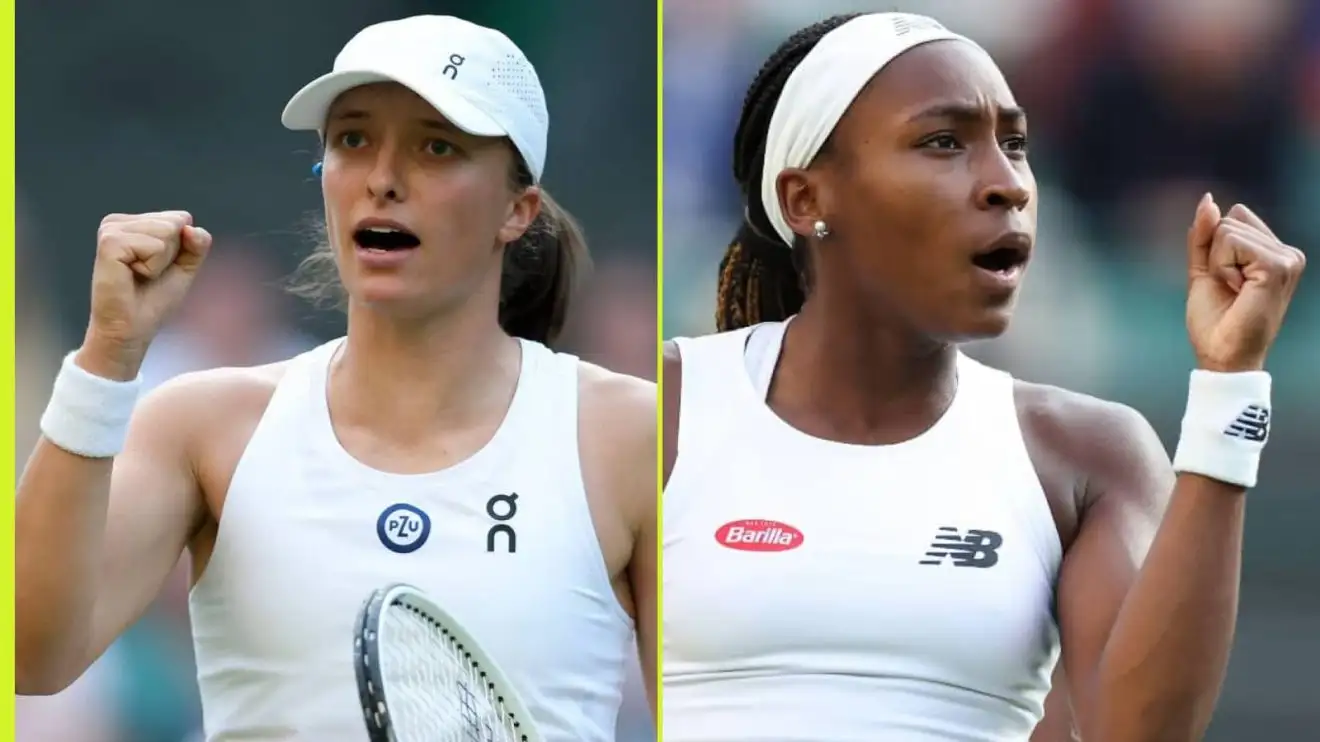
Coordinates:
[308,108]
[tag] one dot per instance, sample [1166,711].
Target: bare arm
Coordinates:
[673,386]
[620,412]
[1057,724]
[1148,592]
[642,572]
[95,539]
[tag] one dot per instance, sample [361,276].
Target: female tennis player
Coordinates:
[440,443]
[870,536]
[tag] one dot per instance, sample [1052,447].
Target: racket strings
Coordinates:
[437,690]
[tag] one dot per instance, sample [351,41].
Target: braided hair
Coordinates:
[761,280]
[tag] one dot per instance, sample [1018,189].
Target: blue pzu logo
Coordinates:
[403,528]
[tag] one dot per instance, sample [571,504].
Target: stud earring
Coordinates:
[820,230]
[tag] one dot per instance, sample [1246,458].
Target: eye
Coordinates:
[943,141]
[351,139]
[439,147]
[1016,145]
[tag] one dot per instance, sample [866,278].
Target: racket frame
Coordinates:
[373,694]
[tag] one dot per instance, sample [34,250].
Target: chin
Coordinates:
[390,298]
[380,290]
[986,325]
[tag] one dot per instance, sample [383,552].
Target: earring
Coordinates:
[316,170]
[820,230]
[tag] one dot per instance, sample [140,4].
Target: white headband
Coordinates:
[824,84]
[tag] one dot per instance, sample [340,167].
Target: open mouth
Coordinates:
[1005,255]
[385,239]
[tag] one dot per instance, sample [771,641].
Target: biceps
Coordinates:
[1094,579]
[155,505]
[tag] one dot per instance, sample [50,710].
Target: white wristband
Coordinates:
[1225,427]
[88,415]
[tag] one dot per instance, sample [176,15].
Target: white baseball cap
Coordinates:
[474,76]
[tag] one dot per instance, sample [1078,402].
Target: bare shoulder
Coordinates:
[1074,416]
[673,359]
[628,402]
[1100,441]
[672,377]
[617,438]
[219,390]
[213,400]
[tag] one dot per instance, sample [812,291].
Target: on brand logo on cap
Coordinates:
[474,76]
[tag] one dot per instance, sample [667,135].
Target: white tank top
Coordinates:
[308,531]
[819,591]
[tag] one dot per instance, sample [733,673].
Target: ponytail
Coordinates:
[761,280]
[540,274]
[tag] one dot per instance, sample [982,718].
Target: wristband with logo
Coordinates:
[1225,427]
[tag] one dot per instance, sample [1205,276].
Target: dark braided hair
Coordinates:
[761,280]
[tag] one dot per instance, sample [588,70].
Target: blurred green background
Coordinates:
[1137,107]
[142,105]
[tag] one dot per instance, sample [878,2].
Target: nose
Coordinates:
[386,181]
[1004,184]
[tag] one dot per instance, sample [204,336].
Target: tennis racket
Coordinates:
[422,677]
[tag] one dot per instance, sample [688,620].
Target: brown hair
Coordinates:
[761,278]
[540,274]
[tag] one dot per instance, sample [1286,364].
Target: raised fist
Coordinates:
[144,266]
[1242,278]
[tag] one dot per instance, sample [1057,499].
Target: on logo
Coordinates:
[502,508]
[403,528]
[451,69]
[976,549]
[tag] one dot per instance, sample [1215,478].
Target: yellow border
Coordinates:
[659,361]
[7,444]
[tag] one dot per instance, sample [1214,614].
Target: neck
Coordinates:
[866,375]
[408,376]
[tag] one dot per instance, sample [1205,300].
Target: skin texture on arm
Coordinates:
[95,540]
[619,446]
[1148,589]
[1057,724]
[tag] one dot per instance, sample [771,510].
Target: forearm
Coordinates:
[60,520]
[1165,661]
[60,528]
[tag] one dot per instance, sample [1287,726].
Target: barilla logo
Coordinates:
[758,535]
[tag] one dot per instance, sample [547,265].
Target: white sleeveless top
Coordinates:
[307,532]
[818,591]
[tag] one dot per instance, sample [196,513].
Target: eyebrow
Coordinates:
[969,113]
[355,115]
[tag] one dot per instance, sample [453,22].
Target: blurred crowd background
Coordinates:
[1137,107]
[145,105]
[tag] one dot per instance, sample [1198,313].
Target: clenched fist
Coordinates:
[1242,278]
[144,266]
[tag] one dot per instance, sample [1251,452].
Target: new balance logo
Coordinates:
[1253,424]
[975,549]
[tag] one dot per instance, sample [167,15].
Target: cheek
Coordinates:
[460,208]
[905,210]
[337,189]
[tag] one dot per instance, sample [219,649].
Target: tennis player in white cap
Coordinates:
[901,541]
[440,443]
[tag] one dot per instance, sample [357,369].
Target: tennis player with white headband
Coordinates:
[939,533]
[441,443]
